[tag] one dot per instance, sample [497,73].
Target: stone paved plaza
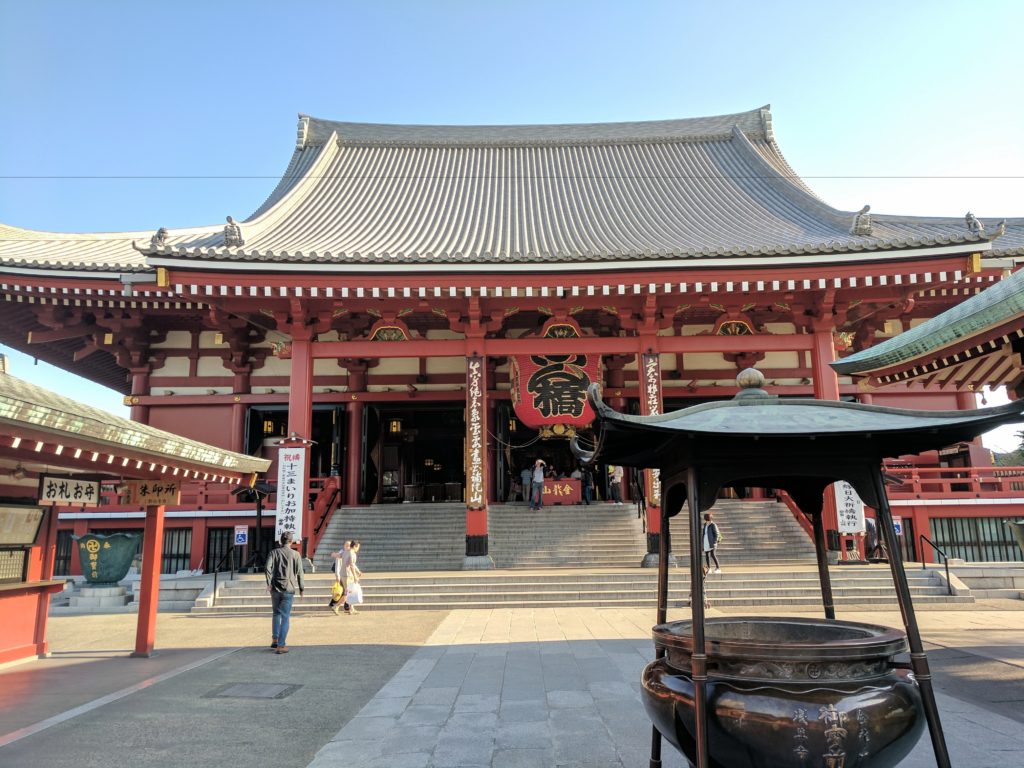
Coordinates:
[496,688]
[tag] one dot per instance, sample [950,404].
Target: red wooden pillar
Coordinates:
[476,464]
[300,414]
[149,585]
[823,352]
[240,386]
[651,404]
[966,401]
[826,387]
[353,452]
[47,556]
[196,556]
[79,528]
[140,388]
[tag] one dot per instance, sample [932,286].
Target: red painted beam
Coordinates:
[596,345]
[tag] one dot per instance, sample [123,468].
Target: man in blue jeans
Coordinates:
[284,576]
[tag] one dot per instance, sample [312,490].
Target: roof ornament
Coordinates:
[233,234]
[861,222]
[159,240]
[974,226]
[751,383]
[302,132]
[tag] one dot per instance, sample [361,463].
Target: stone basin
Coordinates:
[788,693]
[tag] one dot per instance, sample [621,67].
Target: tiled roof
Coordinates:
[990,309]
[367,194]
[25,404]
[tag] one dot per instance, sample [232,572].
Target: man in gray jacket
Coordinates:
[284,576]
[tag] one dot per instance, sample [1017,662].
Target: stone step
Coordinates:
[416,537]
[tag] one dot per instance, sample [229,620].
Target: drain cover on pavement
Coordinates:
[252,691]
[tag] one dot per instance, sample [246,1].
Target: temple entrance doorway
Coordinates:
[519,448]
[268,424]
[415,452]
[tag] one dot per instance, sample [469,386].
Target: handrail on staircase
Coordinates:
[216,571]
[945,558]
[797,513]
[328,500]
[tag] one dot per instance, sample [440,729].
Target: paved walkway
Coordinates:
[495,688]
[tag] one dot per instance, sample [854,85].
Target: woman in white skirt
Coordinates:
[353,590]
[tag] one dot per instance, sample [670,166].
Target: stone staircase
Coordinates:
[761,586]
[574,556]
[431,537]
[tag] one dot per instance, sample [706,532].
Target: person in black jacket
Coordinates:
[284,577]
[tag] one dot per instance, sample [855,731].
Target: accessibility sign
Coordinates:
[241,535]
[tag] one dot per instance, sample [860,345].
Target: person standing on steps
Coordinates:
[586,485]
[526,480]
[537,485]
[710,536]
[615,473]
[284,577]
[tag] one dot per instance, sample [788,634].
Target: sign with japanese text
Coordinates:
[565,492]
[241,535]
[550,389]
[68,492]
[291,476]
[476,388]
[849,508]
[152,493]
[897,523]
[650,392]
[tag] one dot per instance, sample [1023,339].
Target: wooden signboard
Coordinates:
[68,491]
[152,492]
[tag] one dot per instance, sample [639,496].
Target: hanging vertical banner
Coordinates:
[552,389]
[476,486]
[849,508]
[291,473]
[650,382]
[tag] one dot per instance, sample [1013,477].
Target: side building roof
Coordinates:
[26,407]
[498,197]
[950,345]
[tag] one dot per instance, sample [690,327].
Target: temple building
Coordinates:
[422,307]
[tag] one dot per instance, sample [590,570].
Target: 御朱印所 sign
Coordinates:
[152,492]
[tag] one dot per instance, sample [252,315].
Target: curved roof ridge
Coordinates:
[298,168]
[755,122]
[794,192]
[289,193]
[10,232]
[297,190]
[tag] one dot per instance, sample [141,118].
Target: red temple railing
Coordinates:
[955,482]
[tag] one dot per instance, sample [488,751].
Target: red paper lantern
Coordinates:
[549,389]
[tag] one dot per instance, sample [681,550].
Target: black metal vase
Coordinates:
[788,693]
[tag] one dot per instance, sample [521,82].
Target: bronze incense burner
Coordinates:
[774,693]
[787,693]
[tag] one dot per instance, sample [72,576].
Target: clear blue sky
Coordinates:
[911,106]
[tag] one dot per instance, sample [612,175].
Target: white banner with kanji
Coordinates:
[849,508]
[291,474]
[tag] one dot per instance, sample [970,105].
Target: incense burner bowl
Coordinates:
[106,559]
[787,693]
